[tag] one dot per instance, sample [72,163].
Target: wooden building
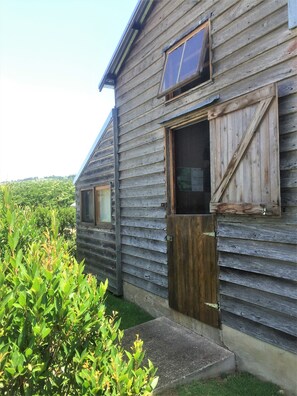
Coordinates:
[187,201]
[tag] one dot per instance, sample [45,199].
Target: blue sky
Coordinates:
[53,54]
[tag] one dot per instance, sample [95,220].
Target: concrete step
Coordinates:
[179,354]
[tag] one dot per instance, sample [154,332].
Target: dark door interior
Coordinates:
[190,226]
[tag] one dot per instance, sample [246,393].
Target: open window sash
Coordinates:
[185,61]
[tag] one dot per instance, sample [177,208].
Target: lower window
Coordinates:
[87,206]
[96,205]
[103,204]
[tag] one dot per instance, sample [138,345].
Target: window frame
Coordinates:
[82,191]
[97,205]
[95,222]
[205,45]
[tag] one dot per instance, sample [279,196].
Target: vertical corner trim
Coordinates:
[119,280]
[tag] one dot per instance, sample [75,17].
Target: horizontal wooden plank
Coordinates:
[161,291]
[95,233]
[288,142]
[269,232]
[140,253]
[148,202]
[136,139]
[104,170]
[94,180]
[289,197]
[143,213]
[231,12]
[274,268]
[269,301]
[270,250]
[152,234]
[145,264]
[157,246]
[142,171]
[263,26]
[264,333]
[85,248]
[146,275]
[101,161]
[138,151]
[288,160]
[251,45]
[156,190]
[289,179]
[260,282]
[288,123]
[288,104]
[156,224]
[287,87]
[143,160]
[260,315]
[139,182]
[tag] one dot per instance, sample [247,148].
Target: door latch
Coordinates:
[212,234]
[169,238]
[213,305]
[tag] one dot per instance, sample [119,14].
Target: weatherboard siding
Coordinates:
[251,47]
[96,245]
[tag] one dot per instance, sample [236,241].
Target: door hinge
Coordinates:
[213,305]
[169,238]
[212,234]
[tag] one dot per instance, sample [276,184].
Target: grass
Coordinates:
[239,384]
[129,313]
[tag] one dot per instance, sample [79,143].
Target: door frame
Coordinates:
[170,127]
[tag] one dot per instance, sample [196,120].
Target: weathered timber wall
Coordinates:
[251,47]
[97,245]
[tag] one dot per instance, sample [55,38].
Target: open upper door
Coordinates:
[244,141]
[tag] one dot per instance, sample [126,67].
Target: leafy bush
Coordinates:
[66,216]
[50,192]
[55,336]
[39,197]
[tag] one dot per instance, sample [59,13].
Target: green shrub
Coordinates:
[55,336]
[51,192]
[66,218]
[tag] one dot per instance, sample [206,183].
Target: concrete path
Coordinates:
[180,354]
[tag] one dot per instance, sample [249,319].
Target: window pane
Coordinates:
[191,56]
[192,169]
[103,205]
[172,67]
[87,206]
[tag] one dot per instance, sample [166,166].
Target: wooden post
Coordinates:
[119,280]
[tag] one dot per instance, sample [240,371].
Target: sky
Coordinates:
[53,54]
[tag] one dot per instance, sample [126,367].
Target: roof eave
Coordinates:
[134,26]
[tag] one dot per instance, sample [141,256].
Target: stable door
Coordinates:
[193,275]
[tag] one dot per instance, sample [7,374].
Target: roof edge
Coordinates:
[103,129]
[122,50]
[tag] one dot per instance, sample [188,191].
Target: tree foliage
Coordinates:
[50,192]
[55,336]
[39,197]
